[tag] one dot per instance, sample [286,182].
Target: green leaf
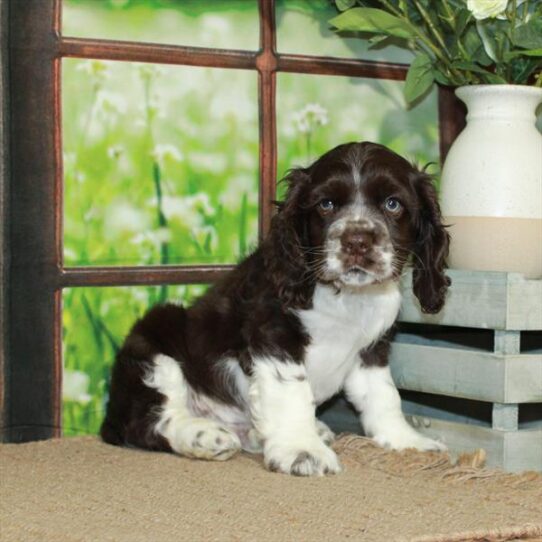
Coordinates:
[523,52]
[343,5]
[488,40]
[475,48]
[419,78]
[463,17]
[440,78]
[529,35]
[372,20]
[489,77]
[375,40]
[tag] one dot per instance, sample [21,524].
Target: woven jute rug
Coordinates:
[79,489]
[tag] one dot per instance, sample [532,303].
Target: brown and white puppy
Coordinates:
[302,318]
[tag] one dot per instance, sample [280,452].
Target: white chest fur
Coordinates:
[340,325]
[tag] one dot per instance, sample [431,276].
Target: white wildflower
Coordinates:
[140,295]
[69,159]
[188,210]
[484,9]
[152,238]
[115,151]
[206,236]
[238,185]
[147,70]
[75,386]
[164,152]
[70,254]
[79,176]
[110,103]
[97,70]
[309,117]
[213,162]
[122,217]
[162,235]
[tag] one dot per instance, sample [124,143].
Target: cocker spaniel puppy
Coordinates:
[302,318]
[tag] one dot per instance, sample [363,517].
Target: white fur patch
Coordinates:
[187,434]
[340,325]
[372,391]
[282,408]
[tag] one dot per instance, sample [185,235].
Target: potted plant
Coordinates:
[491,50]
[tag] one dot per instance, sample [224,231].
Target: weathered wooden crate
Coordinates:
[472,375]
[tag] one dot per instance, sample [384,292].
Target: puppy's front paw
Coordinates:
[311,459]
[408,438]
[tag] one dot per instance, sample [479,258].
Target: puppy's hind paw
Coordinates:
[206,439]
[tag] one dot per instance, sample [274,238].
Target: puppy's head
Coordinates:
[353,218]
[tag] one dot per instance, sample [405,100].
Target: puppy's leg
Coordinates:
[187,435]
[282,408]
[325,433]
[373,393]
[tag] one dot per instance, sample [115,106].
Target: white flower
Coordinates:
[484,9]
[154,238]
[147,71]
[206,234]
[166,151]
[189,210]
[238,185]
[75,386]
[309,117]
[121,218]
[213,162]
[115,151]
[98,70]
[110,103]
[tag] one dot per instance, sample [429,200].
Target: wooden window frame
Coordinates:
[32,275]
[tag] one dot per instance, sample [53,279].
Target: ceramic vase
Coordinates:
[491,186]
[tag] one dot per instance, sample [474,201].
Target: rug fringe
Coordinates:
[468,466]
[520,533]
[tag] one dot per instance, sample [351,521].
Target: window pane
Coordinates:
[160,163]
[230,24]
[95,322]
[303,28]
[316,113]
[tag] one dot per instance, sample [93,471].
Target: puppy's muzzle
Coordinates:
[359,241]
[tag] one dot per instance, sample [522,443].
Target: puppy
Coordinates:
[305,316]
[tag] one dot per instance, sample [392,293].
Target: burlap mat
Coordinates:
[81,489]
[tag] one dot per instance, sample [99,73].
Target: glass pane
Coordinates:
[160,163]
[303,28]
[229,24]
[95,322]
[316,113]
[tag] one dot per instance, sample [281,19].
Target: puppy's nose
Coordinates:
[357,241]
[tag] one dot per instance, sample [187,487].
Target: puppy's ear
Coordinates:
[283,253]
[429,281]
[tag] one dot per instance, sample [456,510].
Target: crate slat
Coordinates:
[470,374]
[482,300]
[514,451]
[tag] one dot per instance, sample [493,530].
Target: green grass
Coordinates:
[161,163]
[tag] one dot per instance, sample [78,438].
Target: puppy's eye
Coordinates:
[393,205]
[326,205]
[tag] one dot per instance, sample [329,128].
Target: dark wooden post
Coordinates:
[33,361]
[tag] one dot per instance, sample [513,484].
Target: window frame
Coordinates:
[32,275]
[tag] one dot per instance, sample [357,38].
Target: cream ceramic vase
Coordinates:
[491,187]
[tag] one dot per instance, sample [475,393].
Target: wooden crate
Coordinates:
[472,374]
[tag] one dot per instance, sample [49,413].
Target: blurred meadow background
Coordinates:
[161,162]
